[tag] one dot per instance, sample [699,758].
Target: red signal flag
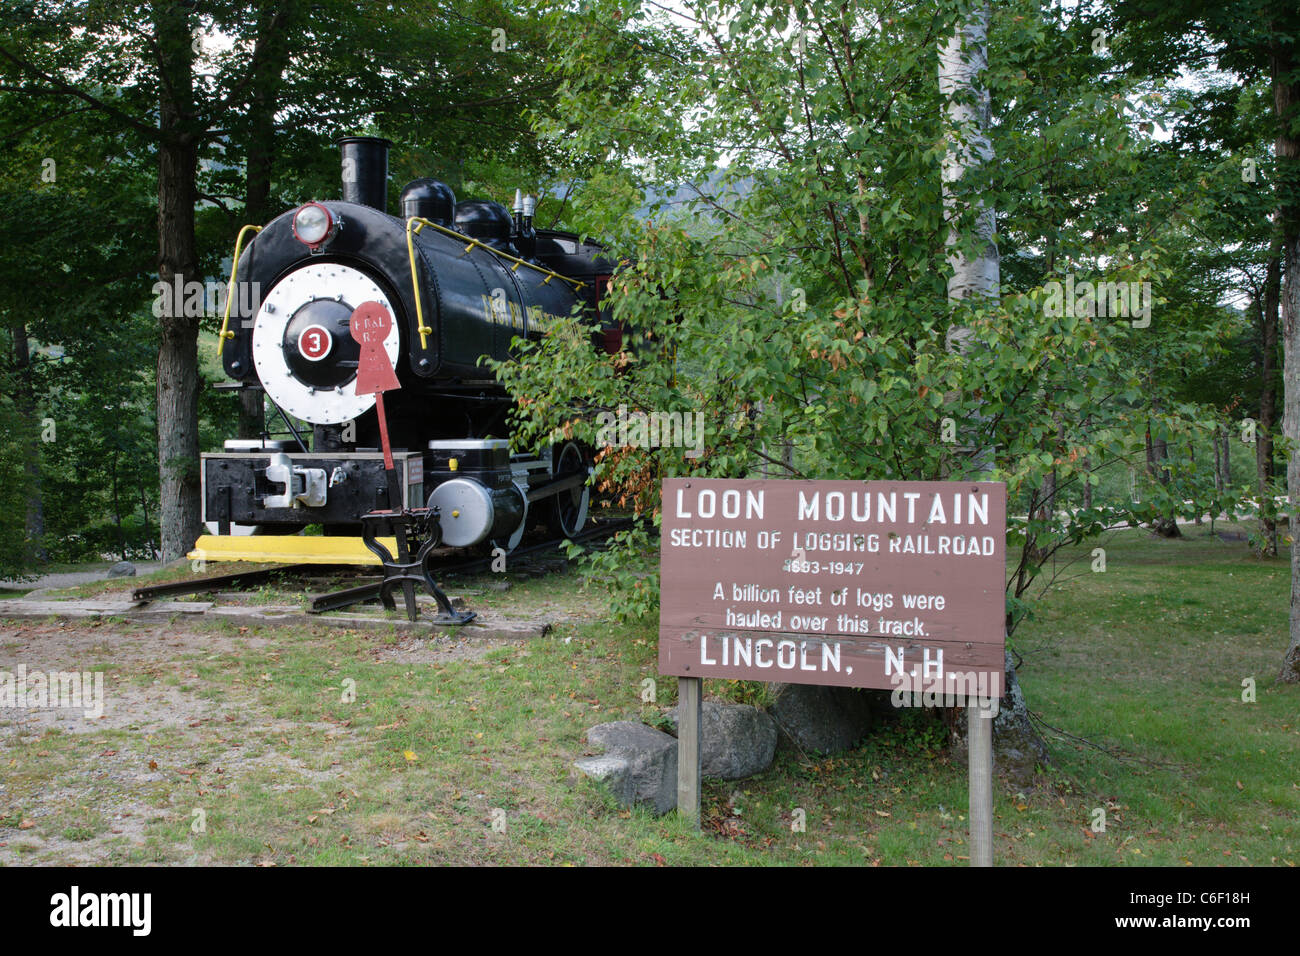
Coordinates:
[370,324]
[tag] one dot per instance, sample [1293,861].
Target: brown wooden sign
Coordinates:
[875,584]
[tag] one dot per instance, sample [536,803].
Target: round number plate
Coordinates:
[314,342]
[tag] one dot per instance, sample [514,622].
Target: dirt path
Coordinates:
[72,579]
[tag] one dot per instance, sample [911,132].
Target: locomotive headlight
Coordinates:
[313,224]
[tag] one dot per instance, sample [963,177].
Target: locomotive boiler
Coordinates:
[460,280]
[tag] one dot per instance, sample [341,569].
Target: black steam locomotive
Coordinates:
[460,280]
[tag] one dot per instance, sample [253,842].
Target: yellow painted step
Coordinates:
[288,549]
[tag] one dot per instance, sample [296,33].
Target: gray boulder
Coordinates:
[1018,750]
[123,569]
[739,740]
[639,765]
[822,719]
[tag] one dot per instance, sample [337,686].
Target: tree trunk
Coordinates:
[1157,454]
[1227,457]
[117,508]
[1051,482]
[1268,401]
[1086,465]
[144,511]
[1048,509]
[178,375]
[1284,62]
[34,551]
[1290,672]
[1219,483]
[962,60]
[1191,457]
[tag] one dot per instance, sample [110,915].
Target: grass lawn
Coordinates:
[228,744]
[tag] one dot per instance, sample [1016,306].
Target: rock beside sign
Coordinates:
[639,765]
[123,569]
[739,740]
[1018,749]
[824,719]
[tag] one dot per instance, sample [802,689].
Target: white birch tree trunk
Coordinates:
[962,61]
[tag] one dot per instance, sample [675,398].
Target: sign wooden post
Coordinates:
[690,747]
[872,584]
[370,324]
[979,739]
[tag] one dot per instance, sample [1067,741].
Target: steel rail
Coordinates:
[340,599]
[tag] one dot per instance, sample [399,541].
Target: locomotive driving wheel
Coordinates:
[568,510]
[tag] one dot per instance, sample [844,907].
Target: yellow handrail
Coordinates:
[412,228]
[226,332]
[423,329]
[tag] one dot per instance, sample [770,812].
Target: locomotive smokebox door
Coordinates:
[305,355]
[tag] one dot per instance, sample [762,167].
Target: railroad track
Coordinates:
[447,562]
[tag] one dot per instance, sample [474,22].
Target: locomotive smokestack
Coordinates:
[526,238]
[518,212]
[365,171]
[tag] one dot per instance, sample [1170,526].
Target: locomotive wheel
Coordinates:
[567,511]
